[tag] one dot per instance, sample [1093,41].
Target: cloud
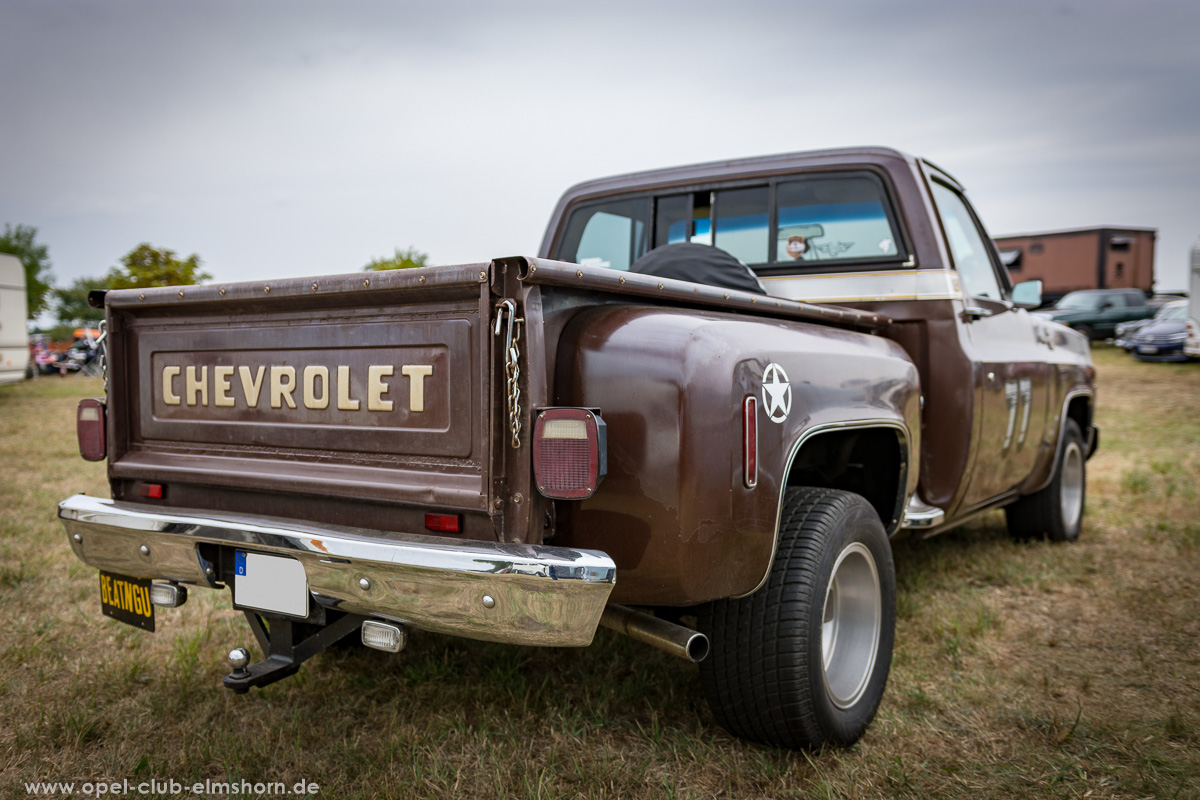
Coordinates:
[296,138]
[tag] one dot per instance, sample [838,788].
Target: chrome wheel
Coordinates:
[1071,496]
[850,625]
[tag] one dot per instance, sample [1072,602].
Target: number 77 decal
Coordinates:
[1017,393]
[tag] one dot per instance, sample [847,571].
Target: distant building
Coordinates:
[1081,258]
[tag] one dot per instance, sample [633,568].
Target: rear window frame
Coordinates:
[904,258]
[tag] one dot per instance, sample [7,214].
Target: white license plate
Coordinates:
[270,583]
[1148,349]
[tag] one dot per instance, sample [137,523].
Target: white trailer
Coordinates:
[14,334]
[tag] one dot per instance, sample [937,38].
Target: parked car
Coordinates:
[1096,312]
[1127,331]
[1163,337]
[1191,345]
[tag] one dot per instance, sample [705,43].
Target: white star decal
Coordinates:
[776,393]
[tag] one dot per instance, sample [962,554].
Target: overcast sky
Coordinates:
[280,139]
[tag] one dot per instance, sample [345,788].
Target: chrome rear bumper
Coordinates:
[550,596]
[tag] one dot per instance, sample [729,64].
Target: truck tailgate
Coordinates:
[365,387]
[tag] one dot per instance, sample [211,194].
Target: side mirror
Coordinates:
[1027,294]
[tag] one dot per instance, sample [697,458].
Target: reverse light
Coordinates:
[384,636]
[750,441]
[167,595]
[90,429]
[570,453]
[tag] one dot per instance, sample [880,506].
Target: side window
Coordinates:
[611,234]
[968,248]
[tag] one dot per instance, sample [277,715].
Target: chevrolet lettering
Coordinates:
[731,385]
[313,386]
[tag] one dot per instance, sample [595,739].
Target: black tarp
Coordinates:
[698,263]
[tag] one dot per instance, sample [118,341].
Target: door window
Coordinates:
[968,248]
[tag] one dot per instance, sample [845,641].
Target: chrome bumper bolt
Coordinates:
[144,550]
[489,601]
[364,584]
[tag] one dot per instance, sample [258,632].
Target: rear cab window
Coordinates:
[842,218]
[789,224]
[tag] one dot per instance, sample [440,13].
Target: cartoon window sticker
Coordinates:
[886,246]
[797,246]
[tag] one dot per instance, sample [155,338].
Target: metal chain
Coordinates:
[102,344]
[512,365]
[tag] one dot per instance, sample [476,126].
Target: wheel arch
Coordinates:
[829,456]
[1080,409]
[1078,405]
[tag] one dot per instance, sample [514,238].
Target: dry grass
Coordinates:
[1023,671]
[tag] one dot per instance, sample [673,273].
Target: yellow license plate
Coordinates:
[127,600]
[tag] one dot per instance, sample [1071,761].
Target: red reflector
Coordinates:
[90,429]
[750,441]
[443,523]
[151,490]
[569,453]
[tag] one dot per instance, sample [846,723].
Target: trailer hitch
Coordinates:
[286,644]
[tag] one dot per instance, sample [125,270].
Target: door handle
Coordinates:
[976,312]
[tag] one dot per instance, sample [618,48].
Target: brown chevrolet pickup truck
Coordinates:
[715,397]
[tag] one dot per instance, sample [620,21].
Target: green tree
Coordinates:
[145,266]
[19,241]
[71,304]
[404,259]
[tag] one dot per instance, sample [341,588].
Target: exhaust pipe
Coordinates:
[648,629]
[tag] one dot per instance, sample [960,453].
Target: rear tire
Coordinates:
[803,662]
[1086,330]
[1055,512]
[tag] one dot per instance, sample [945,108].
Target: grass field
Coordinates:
[1021,670]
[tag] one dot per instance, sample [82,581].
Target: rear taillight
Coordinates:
[570,453]
[90,428]
[443,523]
[151,491]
